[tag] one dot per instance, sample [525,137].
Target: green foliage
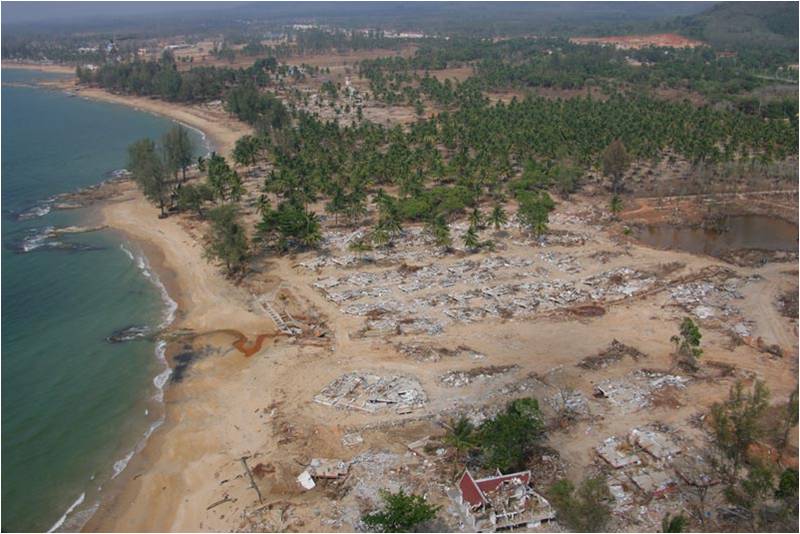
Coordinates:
[149,172]
[462,435]
[586,509]
[534,211]
[227,240]
[263,110]
[615,205]
[738,422]
[498,217]
[224,181]
[789,418]
[788,485]
[178,150]
[439,230]
[163,79]
[674,523]
[688,342]
[615,162]
[289,226]
[476,218]
[508,439]
[401,513]
[193,197]
[566,178]
[246,150]
[471,241]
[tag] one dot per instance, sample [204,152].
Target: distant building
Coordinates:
[500,502]
[179,46]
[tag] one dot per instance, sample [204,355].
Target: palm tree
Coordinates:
[439,230]
[262,205]
[498,217]
[471,241]
[476,218]
[461,436]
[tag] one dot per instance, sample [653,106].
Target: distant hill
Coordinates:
[737,25]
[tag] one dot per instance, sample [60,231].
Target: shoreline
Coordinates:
[61,69]
[217,127]
[168,252]
[204,299]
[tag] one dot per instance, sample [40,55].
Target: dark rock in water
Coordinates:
[129,333]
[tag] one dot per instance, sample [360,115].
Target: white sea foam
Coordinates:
[38,239]
[160,380]
[126,251]
[63,518]
[121,464]
[40,210]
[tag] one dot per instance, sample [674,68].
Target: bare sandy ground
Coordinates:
[62,69]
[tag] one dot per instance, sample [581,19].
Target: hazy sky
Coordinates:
[15,12]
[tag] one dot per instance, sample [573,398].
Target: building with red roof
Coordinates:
[500,502]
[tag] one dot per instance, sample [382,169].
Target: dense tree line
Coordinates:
[163,79]
[558,63]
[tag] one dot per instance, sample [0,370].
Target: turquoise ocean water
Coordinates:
[74,406]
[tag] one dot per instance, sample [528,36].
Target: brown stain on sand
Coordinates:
[241,342]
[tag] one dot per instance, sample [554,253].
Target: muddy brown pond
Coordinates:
[744,232]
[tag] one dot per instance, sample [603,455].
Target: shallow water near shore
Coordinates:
[75,406]
[742,232]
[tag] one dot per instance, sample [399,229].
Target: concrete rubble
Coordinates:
[657,444]
[351,440]
[713,299]
[634,391]
[371,393]
[457,379]
[617,453]
[423,352]
[420,297]
[322,468]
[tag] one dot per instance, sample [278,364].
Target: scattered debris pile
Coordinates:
[457,379]
[423,352]
[617,453]
[322,469]
[371,393]
[614,353]
[634,391]
[711,299]
[619,283]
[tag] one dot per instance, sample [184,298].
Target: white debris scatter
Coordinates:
[371,393]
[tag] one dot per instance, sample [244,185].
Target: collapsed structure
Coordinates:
[500,502]
[370,393]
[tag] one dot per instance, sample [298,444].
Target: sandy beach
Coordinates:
[213,121]
[61,69]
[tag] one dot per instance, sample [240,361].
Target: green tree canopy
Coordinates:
[401,513]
